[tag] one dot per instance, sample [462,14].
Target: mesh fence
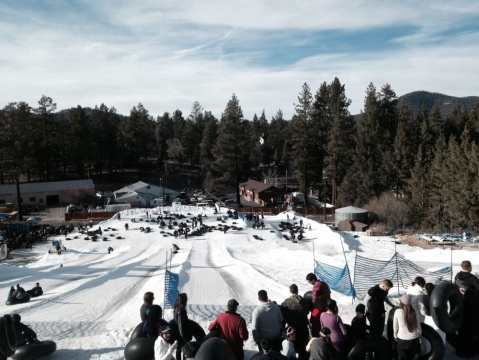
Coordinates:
[368,272]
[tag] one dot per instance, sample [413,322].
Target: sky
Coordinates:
[167,54]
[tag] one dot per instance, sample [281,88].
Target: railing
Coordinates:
[89,216]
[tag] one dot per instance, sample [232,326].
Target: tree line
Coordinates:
[414,168]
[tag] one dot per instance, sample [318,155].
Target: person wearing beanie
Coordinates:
[406,330]
[232,328]
[418,295]
[166,344]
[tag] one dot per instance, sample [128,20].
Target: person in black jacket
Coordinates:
[23,334]
[378,295]
[465,280]
[358,325]
[468,285]
[147,304]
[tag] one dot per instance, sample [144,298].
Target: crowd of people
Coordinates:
[307,328]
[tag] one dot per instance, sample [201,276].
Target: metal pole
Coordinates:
[451,263]
[397,265]
[314,257]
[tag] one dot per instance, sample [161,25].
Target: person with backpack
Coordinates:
[296,317]
[407,330]
[232,328]
[268,322]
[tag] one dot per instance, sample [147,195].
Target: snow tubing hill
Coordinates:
[436,348]
[443,294]
[140,349]
[214,349]
[9,348]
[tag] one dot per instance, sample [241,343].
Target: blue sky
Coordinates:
[167,54]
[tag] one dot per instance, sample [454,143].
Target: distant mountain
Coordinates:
[424,100]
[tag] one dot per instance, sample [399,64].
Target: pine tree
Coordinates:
[303,138]
[439,182]
[231,164]
[340,141]
[368,160]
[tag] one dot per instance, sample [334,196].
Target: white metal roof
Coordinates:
[350,209]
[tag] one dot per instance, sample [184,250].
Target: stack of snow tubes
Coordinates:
[11,350]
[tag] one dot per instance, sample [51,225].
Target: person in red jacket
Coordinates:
[321,295]
[232,328]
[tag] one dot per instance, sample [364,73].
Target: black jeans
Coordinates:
[408,349]
[376,324]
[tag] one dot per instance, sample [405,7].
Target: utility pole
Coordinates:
[19,198]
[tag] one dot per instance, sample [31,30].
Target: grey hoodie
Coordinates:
[267,321]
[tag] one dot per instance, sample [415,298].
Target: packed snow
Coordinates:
[92,298]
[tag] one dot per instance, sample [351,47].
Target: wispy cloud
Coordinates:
[167,54]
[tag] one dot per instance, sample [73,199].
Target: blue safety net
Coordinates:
[338,279]
[171,288]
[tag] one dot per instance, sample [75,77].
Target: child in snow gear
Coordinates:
[358,329]
[147,304]
[166,344]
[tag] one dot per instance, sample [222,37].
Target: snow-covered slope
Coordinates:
[92,298]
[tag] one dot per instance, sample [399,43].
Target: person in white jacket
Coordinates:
[407,330]
[165,345]
[418,294]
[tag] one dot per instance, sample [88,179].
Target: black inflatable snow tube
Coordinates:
[196,331]
[15,301]
[214,349]
[137,332]
[443,294]
[34,351]
[436,348]
[140,349]
[378,346]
